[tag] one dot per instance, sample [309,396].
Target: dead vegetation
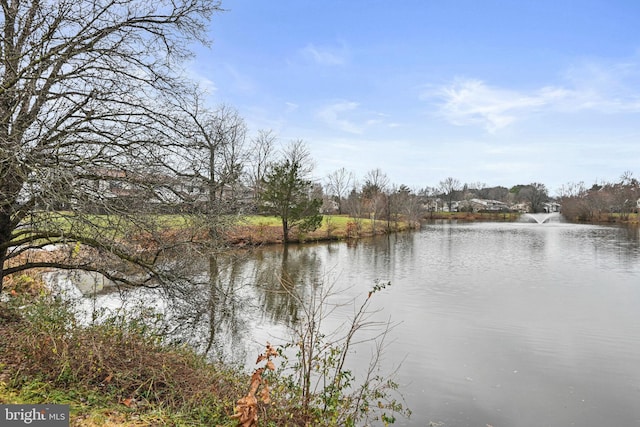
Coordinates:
[131,371]
[246,411]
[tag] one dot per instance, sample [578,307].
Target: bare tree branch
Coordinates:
[82,84]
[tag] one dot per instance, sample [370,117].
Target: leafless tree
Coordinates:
[261,156]
[535,195]
[374,193]
[449,188]
[406,203]
[574,200]
[572,189]
[297,152]
[82,127]
[376,181]
[212,153]
[626,193]
[356,209]
[338,184]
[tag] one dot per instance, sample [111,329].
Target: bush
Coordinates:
[118,360]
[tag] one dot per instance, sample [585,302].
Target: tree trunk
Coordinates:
[5,238]
[285,231]
[214,304]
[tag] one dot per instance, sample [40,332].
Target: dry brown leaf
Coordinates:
[264,393]
[246,410]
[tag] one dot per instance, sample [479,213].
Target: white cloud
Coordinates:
[333,115]
[604,88]
[347,116]
[290,107]
[241,81]
[325,55]
[470,101]
[207,85]
[608,87]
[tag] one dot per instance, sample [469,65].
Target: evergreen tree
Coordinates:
[287,193]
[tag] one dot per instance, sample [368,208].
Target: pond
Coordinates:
[500,324]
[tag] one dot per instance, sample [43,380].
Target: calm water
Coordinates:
[506,324]
[500,324]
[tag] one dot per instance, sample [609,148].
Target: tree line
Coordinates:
[101,132]
[601,201]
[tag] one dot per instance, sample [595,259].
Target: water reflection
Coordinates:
[212,309]
[231,297]
[283,275]
[500,323]
[507,324]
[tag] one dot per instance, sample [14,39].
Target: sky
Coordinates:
[489,92]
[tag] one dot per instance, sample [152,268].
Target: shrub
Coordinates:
[120,360]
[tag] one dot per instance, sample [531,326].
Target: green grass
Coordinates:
[121,374]
[145,228]
[333,226]
[259,220]
[110,374]
[339,221]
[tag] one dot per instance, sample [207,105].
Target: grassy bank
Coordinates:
[242,230]
[118,374]
[256,230]
[609,218]
[110,374]
[474,216]
[121,372]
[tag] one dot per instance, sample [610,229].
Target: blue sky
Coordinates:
[486,91]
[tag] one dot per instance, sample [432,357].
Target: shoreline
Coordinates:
[357,228]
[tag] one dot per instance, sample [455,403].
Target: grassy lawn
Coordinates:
[252,229]
[268,229]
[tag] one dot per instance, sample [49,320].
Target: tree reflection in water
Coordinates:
[211,310]
[281,274]
[227,296]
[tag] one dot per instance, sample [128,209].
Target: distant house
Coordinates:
[455,206]
[484,205]
[521,207]
[433,204]
[160,192]
[550,207]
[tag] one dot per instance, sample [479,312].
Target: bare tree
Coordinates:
[449,188]
[375,183]
[297,152]
[374,193]
[338,184]
[261,156]
[407,203]
[79,112]
[356,209]
[535,195]
[213,153]
[626,193]
[574,200]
